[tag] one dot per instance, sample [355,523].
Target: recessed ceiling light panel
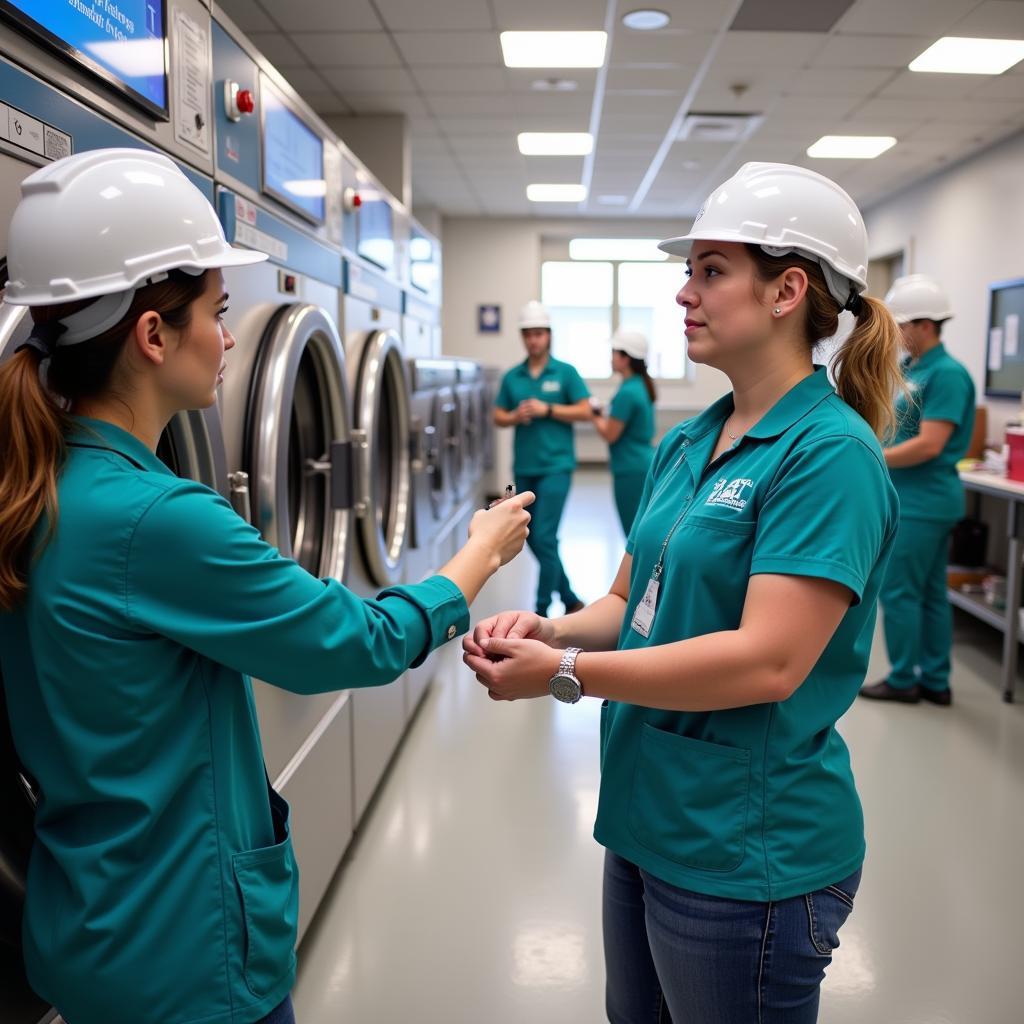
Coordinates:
[958,55]
[554,49]
[646,19]
[850,147]
[556,193]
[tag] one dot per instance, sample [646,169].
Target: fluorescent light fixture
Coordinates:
[646,20]
[850,147]
[958,55]
[556,193]
[555,143]
[635,250]
[307,188]
[554,49]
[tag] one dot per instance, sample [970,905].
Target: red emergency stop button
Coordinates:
[246,101]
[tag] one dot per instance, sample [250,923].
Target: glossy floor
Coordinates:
[472,895]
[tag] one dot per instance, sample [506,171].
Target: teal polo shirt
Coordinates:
[632,453]
[162,884]
[754,803]
[545,445]
[940,389]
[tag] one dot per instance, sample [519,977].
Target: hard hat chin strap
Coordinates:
[840,287]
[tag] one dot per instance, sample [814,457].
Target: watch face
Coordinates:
[565,688]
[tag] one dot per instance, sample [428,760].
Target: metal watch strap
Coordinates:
[567,666]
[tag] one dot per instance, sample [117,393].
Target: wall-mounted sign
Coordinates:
[488,319]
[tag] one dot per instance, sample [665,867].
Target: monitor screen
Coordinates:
[293,157]
[375,230]
[124,42]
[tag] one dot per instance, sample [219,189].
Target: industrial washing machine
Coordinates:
[421,324]
[372,321]
[54,101]
[286,409]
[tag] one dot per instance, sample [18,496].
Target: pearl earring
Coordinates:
[776,311]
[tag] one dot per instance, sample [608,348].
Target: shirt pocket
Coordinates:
[690,800]
[722,524]
[268,887]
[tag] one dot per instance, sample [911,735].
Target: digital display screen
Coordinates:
[122,41]
[375,232]
[293,158]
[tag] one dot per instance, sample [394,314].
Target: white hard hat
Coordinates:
[784,208]
[917,297]
[533,314]
[103,223]
[633,343]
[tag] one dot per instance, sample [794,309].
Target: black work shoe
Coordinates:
[883,691]
[941,697]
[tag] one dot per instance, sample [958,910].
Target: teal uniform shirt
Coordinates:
[545,445]
[162,885]
[754,803]
[632,453]
[940,389]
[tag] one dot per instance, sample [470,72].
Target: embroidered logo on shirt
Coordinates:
[730,494]
[550,385]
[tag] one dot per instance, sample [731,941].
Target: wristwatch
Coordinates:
[550,412]
[564,684]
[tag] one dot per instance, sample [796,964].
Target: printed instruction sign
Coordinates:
[192,82]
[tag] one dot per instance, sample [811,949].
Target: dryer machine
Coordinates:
[287,411]
[57,102]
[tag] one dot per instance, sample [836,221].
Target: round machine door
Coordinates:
[383,483]
[297,441]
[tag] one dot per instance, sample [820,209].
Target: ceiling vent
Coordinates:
[718,127]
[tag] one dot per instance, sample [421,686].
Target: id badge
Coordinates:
[643,615]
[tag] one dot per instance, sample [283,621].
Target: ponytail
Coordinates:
[35,420]
[866,368]
[639,367]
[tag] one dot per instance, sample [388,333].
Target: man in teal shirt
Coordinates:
[935,426]
[542,397]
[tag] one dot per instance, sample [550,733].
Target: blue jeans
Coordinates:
[284,1014]
[678,957]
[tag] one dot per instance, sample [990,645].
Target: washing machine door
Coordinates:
[382,464]
[297,446]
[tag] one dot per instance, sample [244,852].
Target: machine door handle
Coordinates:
[238,491]
[360,473]
[336,465]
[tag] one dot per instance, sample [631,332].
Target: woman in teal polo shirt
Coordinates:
[738,629]
[936,421]
[162,886]
[629,426]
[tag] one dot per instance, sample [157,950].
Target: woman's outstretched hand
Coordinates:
[502,529]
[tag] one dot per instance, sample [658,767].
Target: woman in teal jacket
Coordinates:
[162,886]
[629,426]
[738,629]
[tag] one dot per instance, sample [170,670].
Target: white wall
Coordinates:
[498,261]
[965,227]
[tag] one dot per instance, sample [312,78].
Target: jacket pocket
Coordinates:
[690,800]
[268,885]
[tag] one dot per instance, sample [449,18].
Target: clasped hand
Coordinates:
[511,655]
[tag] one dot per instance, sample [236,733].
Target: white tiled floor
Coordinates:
[472,895]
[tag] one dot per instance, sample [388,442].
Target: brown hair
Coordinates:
[639,367]
[34,420]
[867,367]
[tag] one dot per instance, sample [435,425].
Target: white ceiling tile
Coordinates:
[461,80]
[248,15]
[278,49]
[497,146]
[348,49]
[573,106]
[522,79]
[864,51]
[457,104]
[837,81]
[375,80]
[454,125]
[625,124]
[912,85]
[430,145]
[808,108]
[386,103]
[653,102]
[689,15]
[770,49]
[905,17]
[325,103]
[675,77]
[324,15]
[543,15]
[306,80]
[949,110]
[449,48]
[1008,86]
[996,19]
[416,16]
[666,47]
[554,168]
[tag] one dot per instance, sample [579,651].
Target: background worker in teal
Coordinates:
[738,629]
[936,421]
[162,885]
[629,426]
[542,398]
